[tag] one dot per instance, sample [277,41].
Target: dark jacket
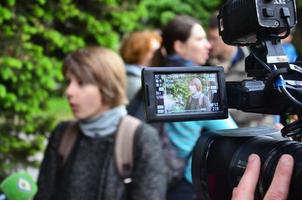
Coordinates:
[90,172]
[235,66]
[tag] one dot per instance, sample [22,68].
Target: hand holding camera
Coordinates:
[279,187]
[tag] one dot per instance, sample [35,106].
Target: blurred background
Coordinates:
[35,36]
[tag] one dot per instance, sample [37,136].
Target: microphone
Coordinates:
[18,186]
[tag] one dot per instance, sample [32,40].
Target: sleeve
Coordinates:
[228,123]
[49,166]
[245,118]
[149,174]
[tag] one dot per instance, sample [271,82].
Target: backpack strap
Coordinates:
[68,140]
[201,100]
[123,148]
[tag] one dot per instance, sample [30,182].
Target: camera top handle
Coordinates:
[275,87]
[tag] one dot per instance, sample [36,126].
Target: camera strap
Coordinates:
[123,147]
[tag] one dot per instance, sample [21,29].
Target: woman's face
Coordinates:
[85,100]
[192,88]
[197,47]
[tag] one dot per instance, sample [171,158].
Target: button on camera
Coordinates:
[268,12]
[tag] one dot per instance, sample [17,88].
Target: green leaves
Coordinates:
[5,14]
[10,62]
[35,37]
[2,91]
[11,2]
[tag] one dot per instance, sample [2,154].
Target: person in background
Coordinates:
[96,92]
[137,50]
[232,59]
[289,48]
[185,44]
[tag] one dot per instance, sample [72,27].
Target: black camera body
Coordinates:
[275,87]
[164,101]
[220,158]
[253,96]
[243,22]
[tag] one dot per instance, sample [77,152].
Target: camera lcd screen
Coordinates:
[184,93]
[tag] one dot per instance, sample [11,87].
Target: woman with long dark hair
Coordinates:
[96,92]
[185,44]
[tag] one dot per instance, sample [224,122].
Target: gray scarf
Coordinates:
[196,95]
[104,124]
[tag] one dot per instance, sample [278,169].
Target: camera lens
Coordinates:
[269,150]
[219,162]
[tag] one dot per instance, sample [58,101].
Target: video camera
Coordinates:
[220,157]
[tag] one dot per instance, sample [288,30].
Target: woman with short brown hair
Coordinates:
[96,94]
[101,67]
[137,50]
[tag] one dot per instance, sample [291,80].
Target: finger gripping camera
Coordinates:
[220,158]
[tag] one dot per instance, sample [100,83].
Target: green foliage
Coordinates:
[180,89]
[160,12]
[59,108]
[37,35]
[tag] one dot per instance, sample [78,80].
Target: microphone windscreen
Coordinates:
[19,186]
[2,196]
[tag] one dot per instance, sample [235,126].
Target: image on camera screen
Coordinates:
[186,93]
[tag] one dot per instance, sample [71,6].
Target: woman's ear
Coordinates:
[179,47]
